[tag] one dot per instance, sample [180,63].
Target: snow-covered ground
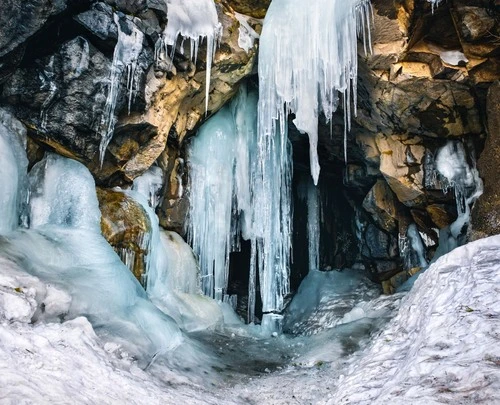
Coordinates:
[441,347]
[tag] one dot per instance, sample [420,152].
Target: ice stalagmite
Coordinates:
[194,20]
[125,57]
[308,64]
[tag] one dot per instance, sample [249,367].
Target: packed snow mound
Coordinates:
[442,347]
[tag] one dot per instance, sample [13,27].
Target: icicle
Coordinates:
[308,53]
[125,57]
[195,20]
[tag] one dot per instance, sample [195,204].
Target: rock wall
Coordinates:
[425,82]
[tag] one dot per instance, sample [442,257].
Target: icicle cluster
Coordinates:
[307,57]
[236,193]
[125,57]
[195,21]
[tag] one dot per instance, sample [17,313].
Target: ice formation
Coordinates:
[125,58]
[247,35]
[307,63]
[309,194]
[463,178]
[13,169]
[149,184]
[64,247]
[411,249]
[195,21]
[241,187]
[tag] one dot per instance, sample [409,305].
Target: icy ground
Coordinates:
[441,347]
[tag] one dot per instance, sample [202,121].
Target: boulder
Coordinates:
[127,228]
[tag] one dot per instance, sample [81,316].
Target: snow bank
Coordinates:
[442,347]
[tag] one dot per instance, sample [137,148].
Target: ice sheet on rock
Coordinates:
[247,35]
[411,249]
[65,248]
[172,276]
[308,63]
[149,184]
[13,169]
[463,178]
[125,57]
[194,21]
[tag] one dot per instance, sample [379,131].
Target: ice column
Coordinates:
[125,57]
[309,194]
[13,169]
[308,63]
[194,20]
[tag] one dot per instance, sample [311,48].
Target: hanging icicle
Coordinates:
[307,58]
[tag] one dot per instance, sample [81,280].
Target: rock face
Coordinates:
[425,82]
[61,89]
[486,214]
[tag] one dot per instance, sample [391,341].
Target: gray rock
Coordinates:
[21,19]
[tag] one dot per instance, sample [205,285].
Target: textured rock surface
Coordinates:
[126,226]
[486,214]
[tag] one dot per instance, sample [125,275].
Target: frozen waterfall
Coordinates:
[64,247]
[308,64]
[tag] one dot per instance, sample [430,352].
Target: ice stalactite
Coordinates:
[309,194]
[457,174]
[308,64]
[195,21]
[125,59]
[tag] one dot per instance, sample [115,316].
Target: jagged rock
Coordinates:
[99,21]
[21,19]
[382,206]
[474,22]
[61,98]
[441,215]
[401,165]
[126,226]
[129,6]
[486,213]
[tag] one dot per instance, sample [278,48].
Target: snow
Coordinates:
[307,60]
[441,347]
